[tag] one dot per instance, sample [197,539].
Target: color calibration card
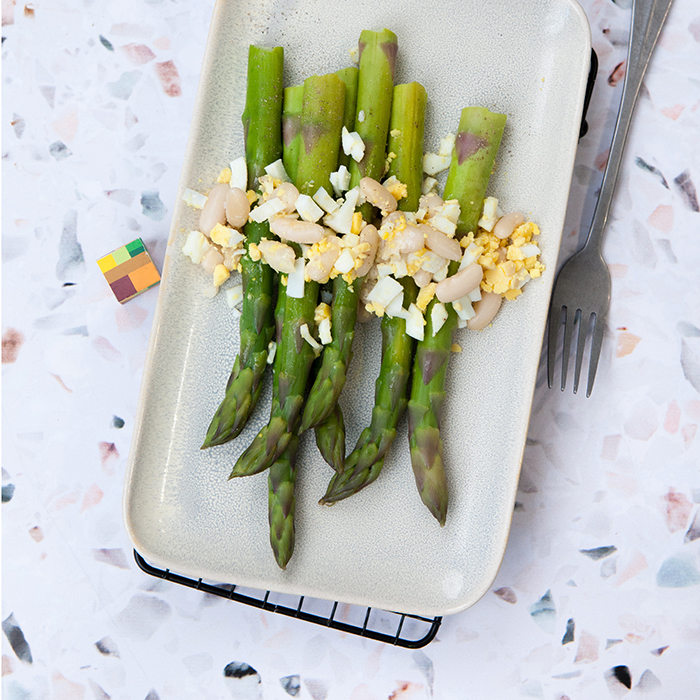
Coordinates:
[129,270]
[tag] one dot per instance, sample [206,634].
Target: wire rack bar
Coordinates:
[425,627]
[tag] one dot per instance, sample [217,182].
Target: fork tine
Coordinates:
[598,332]
[554,325]
[580,347]
[568,334]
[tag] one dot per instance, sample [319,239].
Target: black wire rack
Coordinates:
[398,629]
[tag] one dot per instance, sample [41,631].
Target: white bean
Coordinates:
[237,207]
[423,278]
[430,201]
[214,210]
[277,255]
[486,308]
[455,287]
[410,240]
[288,194]
[320,266]
[441,244]
[297,231]
[375,193]
[368,235]
[211,259]
[507,224]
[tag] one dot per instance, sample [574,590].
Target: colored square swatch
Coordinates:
[129,270]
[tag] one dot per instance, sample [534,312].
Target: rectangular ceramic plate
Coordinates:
[380,548]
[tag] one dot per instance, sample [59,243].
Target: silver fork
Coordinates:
[582,289]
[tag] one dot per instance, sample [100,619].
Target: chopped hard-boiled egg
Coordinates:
[239,174]
[325,201]
[415,323]
[306,335]
[438,316]
[353,145]
[196,246]
[340,179]
[308,209]
[194,199]
[221,274]
[295,280]
[267,210]
[234,295]
[277,171]
[489,214]
[433,163]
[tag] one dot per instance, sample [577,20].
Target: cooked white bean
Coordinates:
[423,278]
[277,255]
[297,231]
[214,211]
[320,266]
[211,259]
[237,207]
[455,287]
[430,201]
[375,193]
[440,243]
[410,240]
[368,235]
[486,308]
[507,224]
[288,194]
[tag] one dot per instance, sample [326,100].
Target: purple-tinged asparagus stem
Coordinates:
[477,142]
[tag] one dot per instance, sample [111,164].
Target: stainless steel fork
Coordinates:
[582,289]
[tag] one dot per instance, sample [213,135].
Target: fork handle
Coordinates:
[648,16]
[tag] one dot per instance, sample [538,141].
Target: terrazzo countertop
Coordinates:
[599,591]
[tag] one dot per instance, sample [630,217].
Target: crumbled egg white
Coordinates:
[306,335]
[239,174]
[234,295]
[308,209]
[353,145]
[340,179]
[194,199]
[276,171]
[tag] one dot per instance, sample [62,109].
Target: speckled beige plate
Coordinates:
[380,548]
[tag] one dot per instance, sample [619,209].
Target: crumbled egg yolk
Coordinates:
[398,189]
[252,196]
[322,312]
[221,274]
[357,223]
[224,176]
[425,295]
[254,252]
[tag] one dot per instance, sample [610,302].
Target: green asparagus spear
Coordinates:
[365,462]
[291,128]
[321,124]
[282,503]
[263,145]
[330,439]
[349,77]
[374,95]
[477,142]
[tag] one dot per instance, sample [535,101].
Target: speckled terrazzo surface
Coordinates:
[599,589]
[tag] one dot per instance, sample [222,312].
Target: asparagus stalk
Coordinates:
[330,439]
[291,128]
[321,124]
[365,462]
[349,76]
[374,95]
[473,157]
[263,145]
[281,503]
